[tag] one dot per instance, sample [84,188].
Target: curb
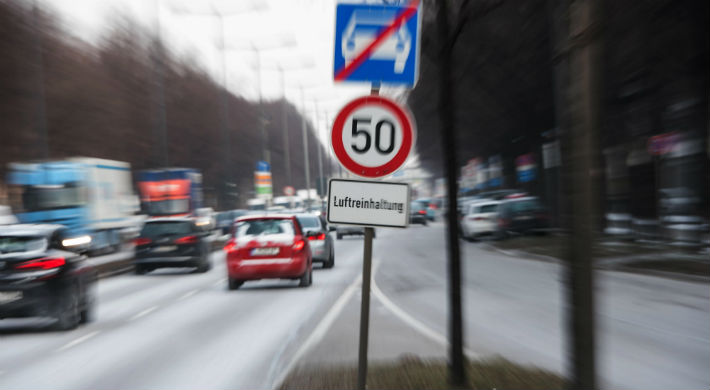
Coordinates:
[603,266]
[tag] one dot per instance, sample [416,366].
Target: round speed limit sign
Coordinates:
[372,136]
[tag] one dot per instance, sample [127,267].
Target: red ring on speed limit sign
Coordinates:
[397,160]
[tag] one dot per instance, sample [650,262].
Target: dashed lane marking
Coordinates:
[76,342]
[144,313]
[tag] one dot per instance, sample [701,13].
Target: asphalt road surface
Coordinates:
[175,329]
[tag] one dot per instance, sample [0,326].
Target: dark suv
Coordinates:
[522,215]
[172,242]
[43,273]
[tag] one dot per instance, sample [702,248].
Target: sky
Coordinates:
[295,34]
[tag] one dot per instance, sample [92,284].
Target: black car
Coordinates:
[418,212]
[522,215]
[172,242]
[225,219]
[43,273]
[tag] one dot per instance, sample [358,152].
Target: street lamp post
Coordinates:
[319,182]
[305,149]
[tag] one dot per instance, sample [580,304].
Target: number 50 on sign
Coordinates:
[373,136]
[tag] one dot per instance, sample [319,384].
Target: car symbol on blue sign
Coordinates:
[395,60]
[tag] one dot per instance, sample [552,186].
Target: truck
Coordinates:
[92,197]
[169,192]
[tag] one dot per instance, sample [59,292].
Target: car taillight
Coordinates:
[142,241]
[42,264]
[422,211]
[432,206]
[318,237]
[187,240]
[299,245]
[479,219]
[502,222]
[230,245]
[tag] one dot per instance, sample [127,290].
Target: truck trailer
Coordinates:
[91,196]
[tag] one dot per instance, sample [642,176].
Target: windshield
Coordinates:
[309,222]
[264,227]
[37,198]
[167,207]
[156,229]
[14,244]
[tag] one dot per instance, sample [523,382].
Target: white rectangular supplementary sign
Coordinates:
[368,203]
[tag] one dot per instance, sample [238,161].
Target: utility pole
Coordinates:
[319,182]
[41,121]
[159,77]
[457,369]
[284,126]
[306,165]
[576,41]
[266,156]
[224,123]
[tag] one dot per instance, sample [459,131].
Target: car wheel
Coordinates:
[306,279]
[339,236]
[140,269]
[204,265]
[67,315]
[88,310]
[425,222]
[233,284]
[331,260]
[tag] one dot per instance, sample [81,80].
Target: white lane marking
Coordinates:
[319,331]
[188,294]
[411,321]
[77,341]
[220,281]
[144,313]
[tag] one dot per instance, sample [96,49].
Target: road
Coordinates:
[653,333]
[174,329]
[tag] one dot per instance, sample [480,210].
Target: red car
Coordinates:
[268,247]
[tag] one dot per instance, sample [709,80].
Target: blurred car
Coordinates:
[430,207]
[521,215]
[44,273]
[322,243]
[417,213]
[269,247]
[172,242]
[225,219]
[480,218]
[343,230]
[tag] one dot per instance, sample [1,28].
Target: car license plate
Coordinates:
[264,251]
[10,296]
[168,248]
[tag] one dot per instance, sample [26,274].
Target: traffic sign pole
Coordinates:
[365,298]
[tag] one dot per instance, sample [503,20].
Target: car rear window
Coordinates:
[523,206]
[488,208]
[256,227]
[416,206]
[309,222]
[15,244]
[156,229]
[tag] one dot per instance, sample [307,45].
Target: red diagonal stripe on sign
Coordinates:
[404,16]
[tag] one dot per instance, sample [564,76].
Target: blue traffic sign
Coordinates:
[378,44]
[263,166]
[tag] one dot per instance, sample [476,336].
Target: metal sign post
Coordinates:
[365,299]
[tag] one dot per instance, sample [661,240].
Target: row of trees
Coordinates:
[62,97]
